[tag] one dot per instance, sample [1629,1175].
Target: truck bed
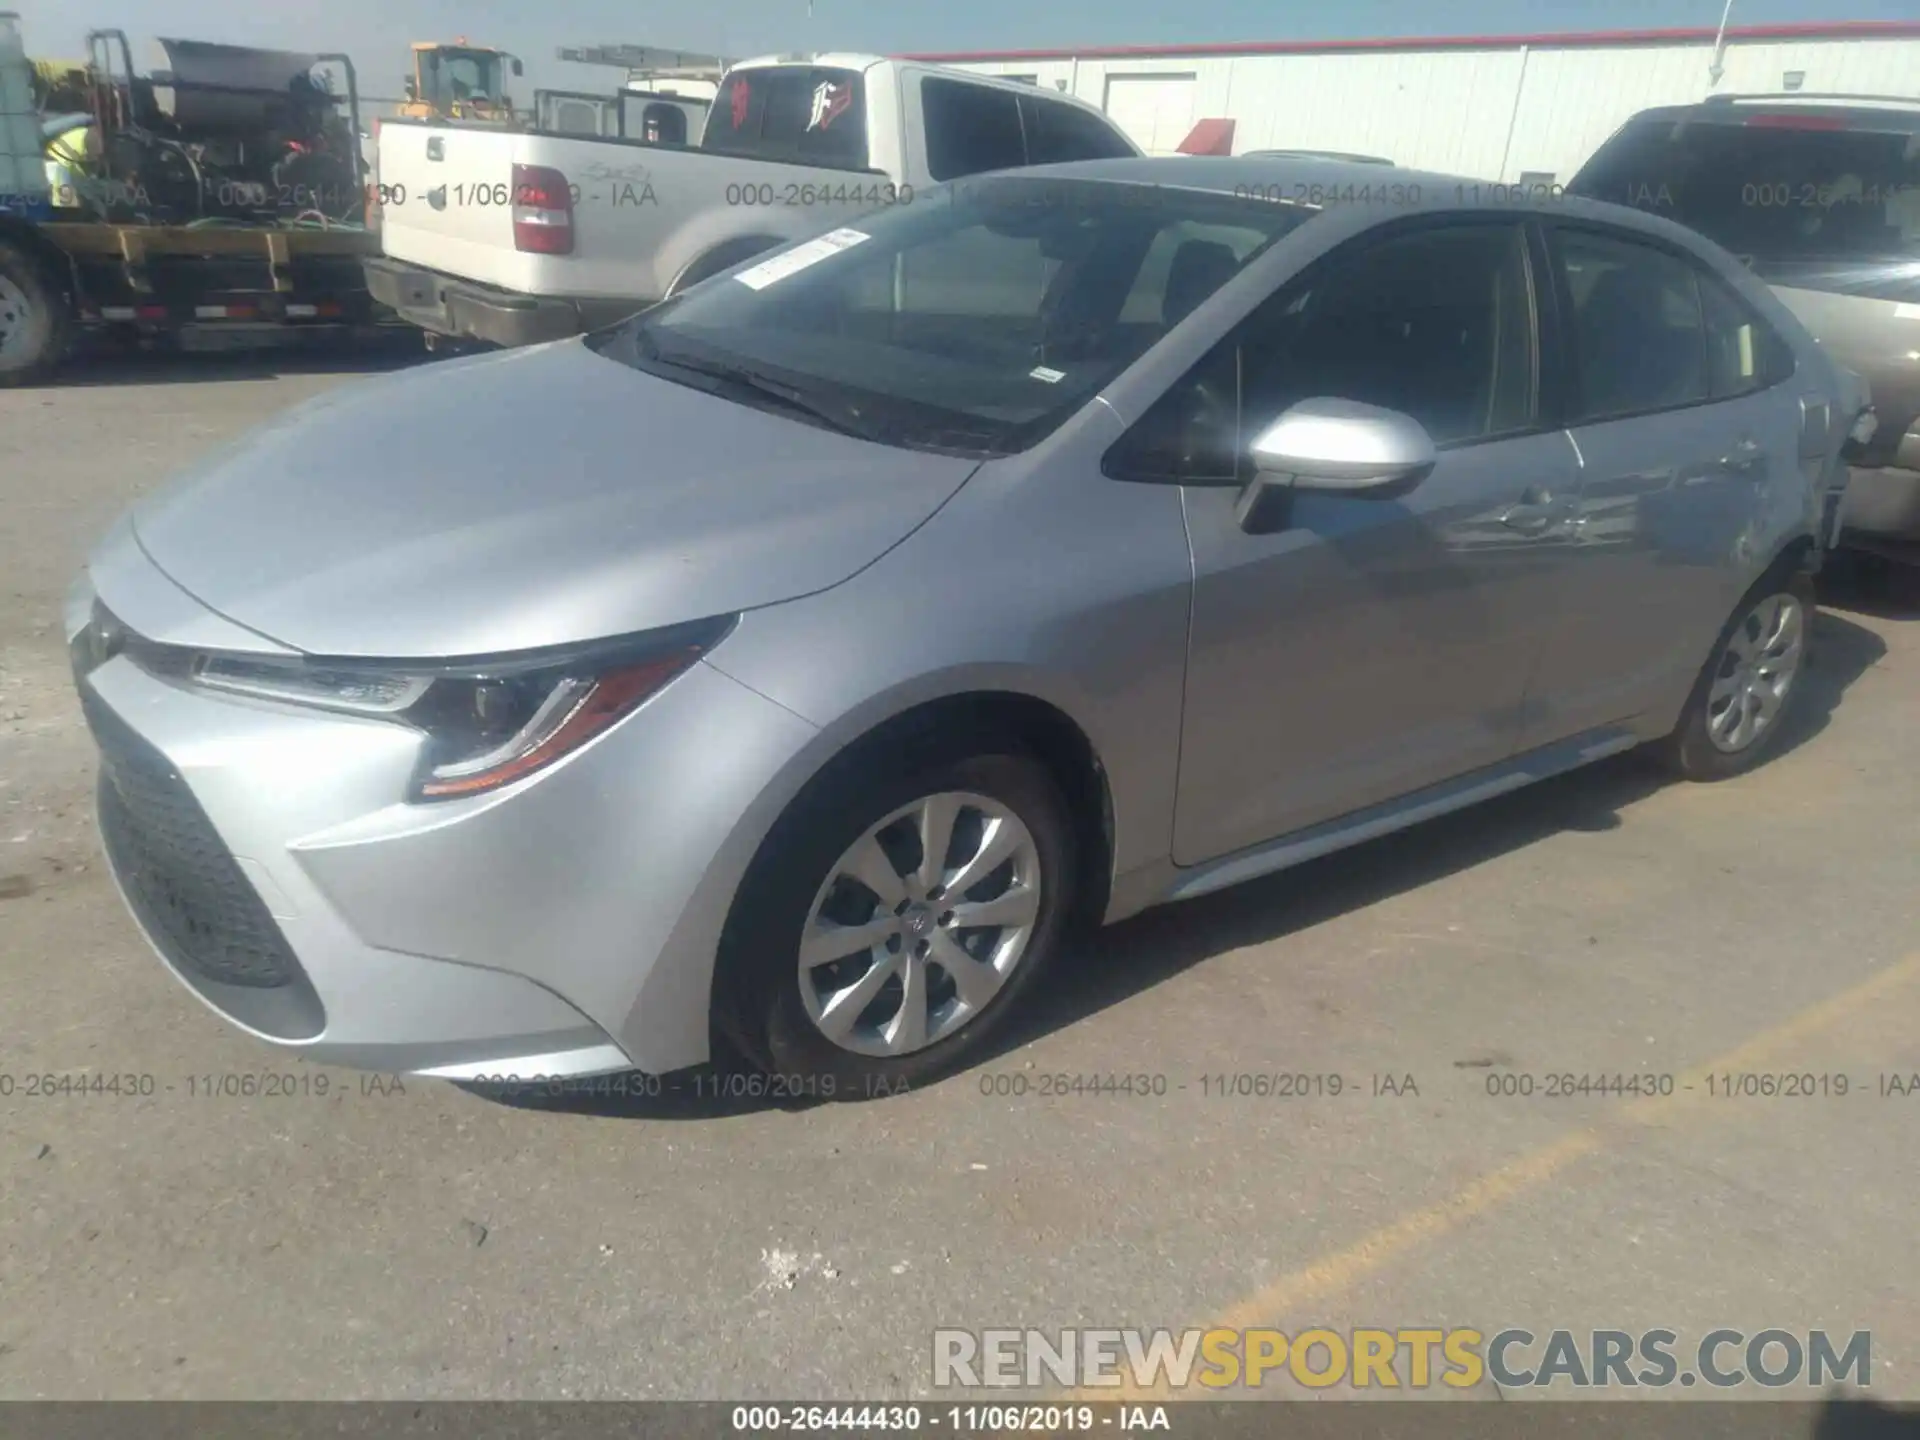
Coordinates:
[642,213]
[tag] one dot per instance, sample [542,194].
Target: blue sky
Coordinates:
[376,32]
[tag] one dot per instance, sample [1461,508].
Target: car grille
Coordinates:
[180,879]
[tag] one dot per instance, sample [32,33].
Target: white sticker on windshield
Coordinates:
[801,257]
[1052,377]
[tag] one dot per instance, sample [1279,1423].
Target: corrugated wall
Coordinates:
[1492,114]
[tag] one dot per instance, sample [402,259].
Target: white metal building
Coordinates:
[1498,108]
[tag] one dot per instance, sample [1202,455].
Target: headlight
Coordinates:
[487,723]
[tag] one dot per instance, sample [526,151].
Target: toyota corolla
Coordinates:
[795,665]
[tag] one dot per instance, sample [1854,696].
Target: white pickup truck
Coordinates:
[514,238]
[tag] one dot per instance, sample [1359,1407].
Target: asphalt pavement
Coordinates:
[346,1237]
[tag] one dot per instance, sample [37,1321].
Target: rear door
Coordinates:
[1689,439]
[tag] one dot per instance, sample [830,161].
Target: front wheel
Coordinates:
[898,920]
[1743,697]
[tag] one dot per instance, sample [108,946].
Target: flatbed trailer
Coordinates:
[221,269]
[195,287]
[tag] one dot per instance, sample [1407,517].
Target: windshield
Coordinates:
[974,319]
[463,76]
[1793,197]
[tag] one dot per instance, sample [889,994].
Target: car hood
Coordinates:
[528,498]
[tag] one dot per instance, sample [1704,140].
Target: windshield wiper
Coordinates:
[790,398]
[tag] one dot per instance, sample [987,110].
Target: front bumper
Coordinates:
[463,310]
[563,926]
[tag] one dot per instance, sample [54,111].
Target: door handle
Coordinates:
[1536,513]
[436,148]
[1744,456]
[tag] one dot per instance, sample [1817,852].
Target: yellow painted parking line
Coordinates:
[1340,1270]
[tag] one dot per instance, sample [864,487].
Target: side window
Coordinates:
[1436,323]
[1743,352]
[576,117]
[978,272]
[1638,332]
[664,124]
[1057,132]
[1162,298]
[970,128]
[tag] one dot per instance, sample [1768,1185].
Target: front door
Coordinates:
[1373,646]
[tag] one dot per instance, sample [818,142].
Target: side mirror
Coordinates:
[413,90]
[1343,446]
[1338,446]
[518,69]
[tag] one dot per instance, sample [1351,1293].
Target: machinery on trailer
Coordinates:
[461,82]
[219,202]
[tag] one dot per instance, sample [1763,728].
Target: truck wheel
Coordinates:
[35,323]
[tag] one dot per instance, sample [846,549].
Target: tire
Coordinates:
[777,1015]
[36,324]
[1769,639]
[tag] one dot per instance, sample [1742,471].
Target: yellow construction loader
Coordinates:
[460,82]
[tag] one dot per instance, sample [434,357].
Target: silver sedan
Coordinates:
[784,672]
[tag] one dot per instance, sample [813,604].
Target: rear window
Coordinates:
[971,129]
[1058,132]
[806,114]
[1783,190]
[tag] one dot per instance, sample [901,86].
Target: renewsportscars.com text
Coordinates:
[1412,1358]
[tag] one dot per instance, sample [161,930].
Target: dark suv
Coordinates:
[1820,196]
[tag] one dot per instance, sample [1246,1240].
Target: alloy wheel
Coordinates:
[919,924]
[1756,670]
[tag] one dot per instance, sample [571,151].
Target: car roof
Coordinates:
[864,63]
[1892,113]
[825,59]
[1345,186]
[1349,155]
[1276,176]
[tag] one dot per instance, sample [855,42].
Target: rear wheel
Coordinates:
[898,920]
[1746,692]
[35,323]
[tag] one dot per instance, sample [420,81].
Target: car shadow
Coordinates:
[1843,651]
[1851,1417]
[1115,964]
